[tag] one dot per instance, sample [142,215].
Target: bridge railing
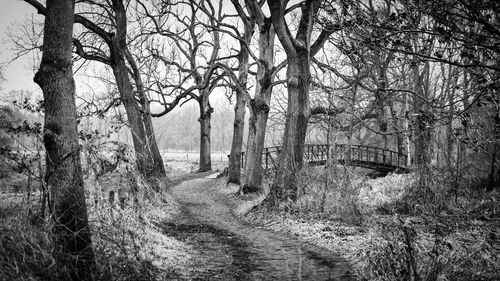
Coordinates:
[369,154]
[353,154]
[269,157]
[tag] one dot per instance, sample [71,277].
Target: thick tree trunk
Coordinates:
[298,52]
[259,109]
[297,116]
[234,171]
[60,137]
[255,145]
[205,130]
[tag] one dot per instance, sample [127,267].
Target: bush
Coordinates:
[329,191]
[405,251]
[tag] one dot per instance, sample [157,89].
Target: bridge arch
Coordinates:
[375,158]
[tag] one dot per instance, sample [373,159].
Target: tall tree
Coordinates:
[298,52]
[196,60]
[157,169]
[60,138]
[110,48]
[234,171]
[260,104]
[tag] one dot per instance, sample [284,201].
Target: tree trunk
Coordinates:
[494,173]
[397,131]
[259,109]
[134,117]
[424,120]
[423,132]
[297,116]
[157,169]
[298,52]
[120,71]
[234,171]
[205,130]
[60,137]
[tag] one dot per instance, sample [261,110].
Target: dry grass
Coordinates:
[131,229]
[386,232]
[127,242]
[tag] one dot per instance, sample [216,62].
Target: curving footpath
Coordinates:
[229,249]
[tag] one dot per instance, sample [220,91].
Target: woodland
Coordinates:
[370,128]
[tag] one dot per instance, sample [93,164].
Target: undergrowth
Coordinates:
[404,251]
[403,230]
[127,243]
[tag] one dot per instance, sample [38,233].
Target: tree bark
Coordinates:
[423,132]
[297,116]
[134,117]
[298,51]
[259,109]
[234,171]
[118,51]
[424,120]
[157,169]
[205,131]
[381,94]
[60,138]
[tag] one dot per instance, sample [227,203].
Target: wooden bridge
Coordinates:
[379,159]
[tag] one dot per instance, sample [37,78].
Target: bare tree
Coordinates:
[197,62]
[260,104]
[298,51]
[60,138]
[234,172]
[110,48]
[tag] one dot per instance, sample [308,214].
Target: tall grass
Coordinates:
[405,231]
[127,243]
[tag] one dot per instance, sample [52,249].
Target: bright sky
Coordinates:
[18,74]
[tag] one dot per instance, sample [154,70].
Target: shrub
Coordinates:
[402,251]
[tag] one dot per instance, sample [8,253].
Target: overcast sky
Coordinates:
[18,74]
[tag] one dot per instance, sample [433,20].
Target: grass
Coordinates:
[126,240]
[387,232]
[380,225]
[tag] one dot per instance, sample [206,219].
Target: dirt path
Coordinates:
[231,250]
